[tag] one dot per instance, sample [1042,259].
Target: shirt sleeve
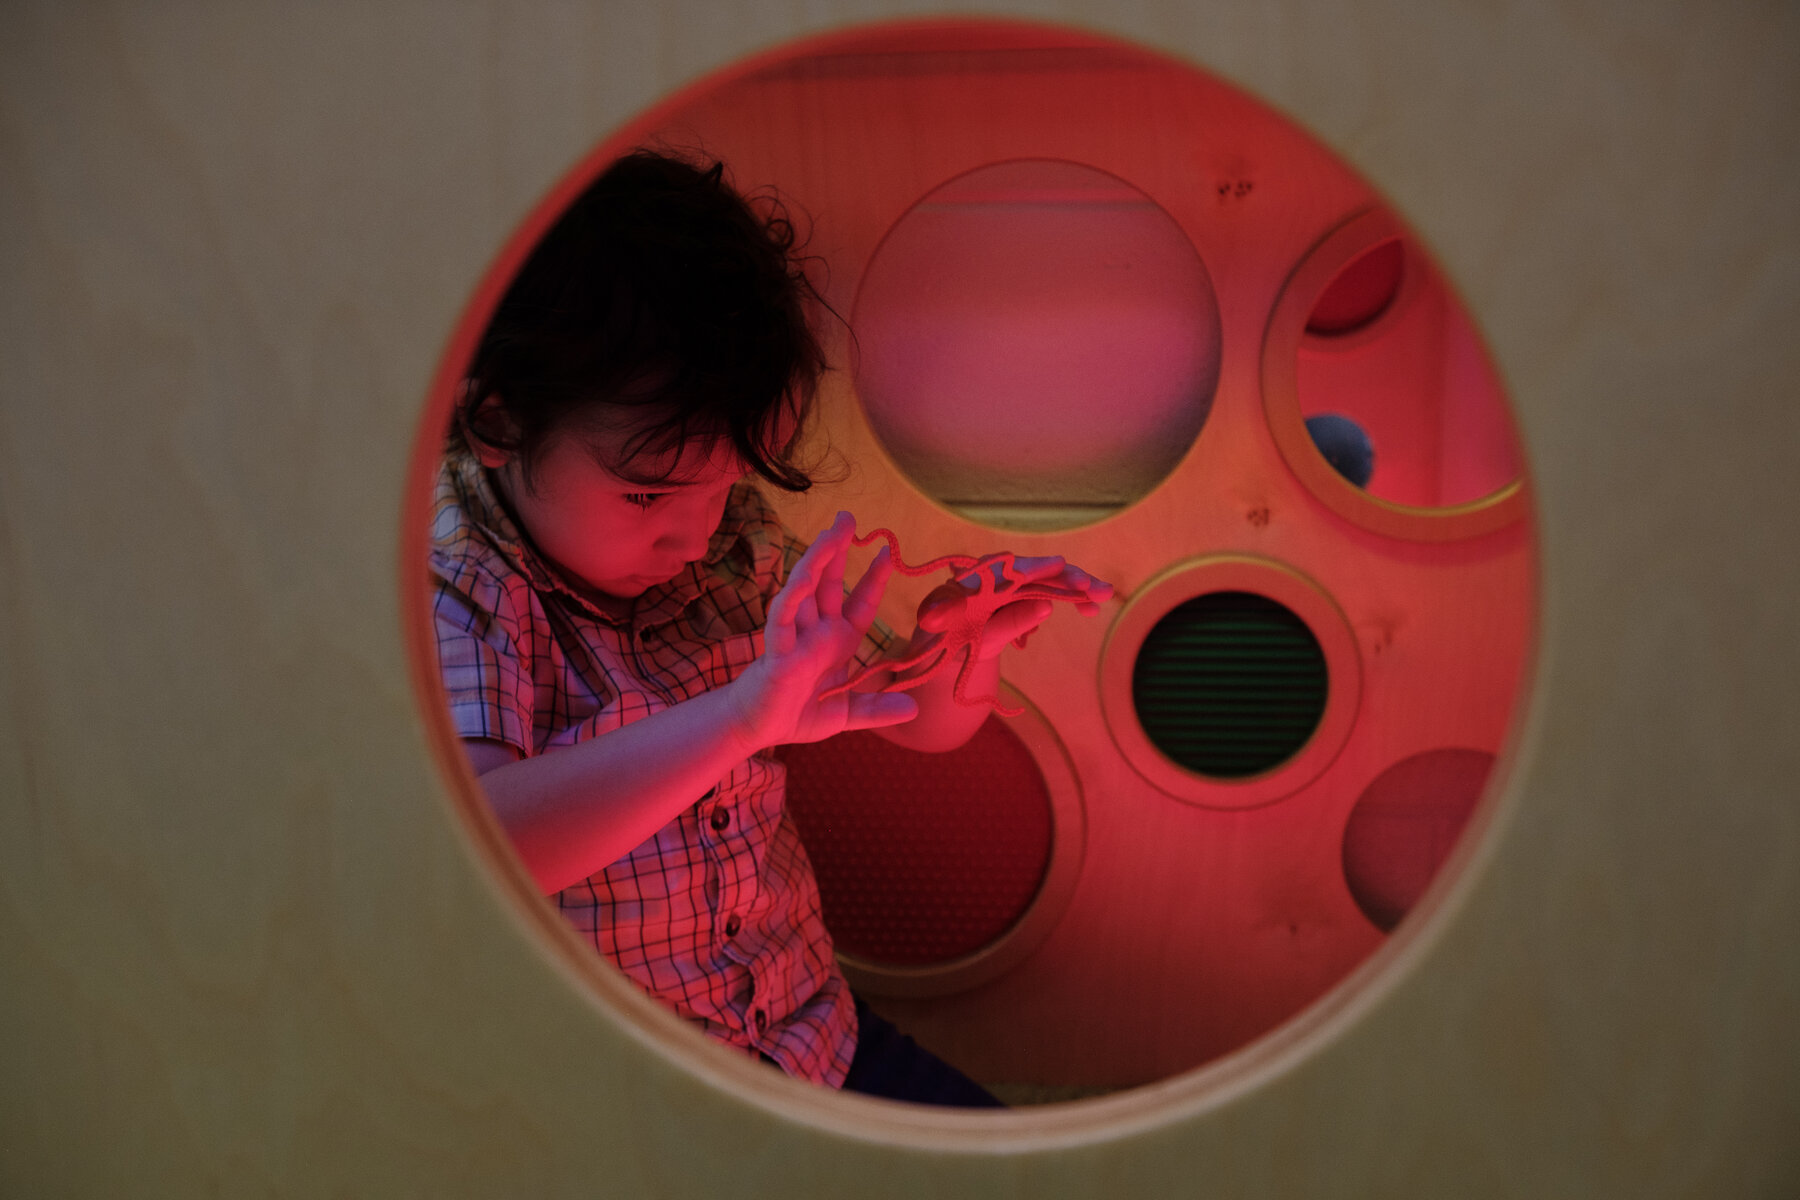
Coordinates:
[483,662]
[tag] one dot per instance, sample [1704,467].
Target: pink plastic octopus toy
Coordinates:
[958,616]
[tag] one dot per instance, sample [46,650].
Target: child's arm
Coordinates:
[575,810]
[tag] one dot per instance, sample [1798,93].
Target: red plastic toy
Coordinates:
[958,617]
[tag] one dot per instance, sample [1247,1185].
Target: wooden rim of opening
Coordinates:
[1282,343]
[1231,573]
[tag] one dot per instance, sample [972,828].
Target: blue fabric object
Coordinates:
[1345,446]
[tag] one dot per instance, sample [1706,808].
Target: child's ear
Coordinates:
[490,431]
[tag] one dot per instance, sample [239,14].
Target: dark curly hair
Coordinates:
[664,290]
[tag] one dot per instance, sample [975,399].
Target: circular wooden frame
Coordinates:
[1281,394]
[1231,573]
[1068,840]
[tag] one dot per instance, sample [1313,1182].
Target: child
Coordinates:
[625,629]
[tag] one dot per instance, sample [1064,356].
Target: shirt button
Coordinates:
[733,923]
[721,819]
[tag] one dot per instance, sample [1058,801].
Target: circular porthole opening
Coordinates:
[1230,681]
[1038,344]
[1230,684]
[1381,394]
[961,916]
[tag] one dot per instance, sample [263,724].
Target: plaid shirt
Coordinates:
[717,915]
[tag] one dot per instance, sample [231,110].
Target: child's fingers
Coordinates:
[792,603]
[830,590]
[832,539]
[806,615]
[825,557]
[805,573]
[1036,570]
[1098,592]
[797,600]
[1058,572]
[778,629]
[871,710]
[865,599]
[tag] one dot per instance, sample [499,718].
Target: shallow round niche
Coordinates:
[1370,358]
[1404,826]
[1038,344]
[939,872]
[1230,681]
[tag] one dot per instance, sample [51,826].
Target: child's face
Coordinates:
[608,534]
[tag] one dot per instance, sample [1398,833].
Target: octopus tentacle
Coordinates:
[959,562]
[935,647]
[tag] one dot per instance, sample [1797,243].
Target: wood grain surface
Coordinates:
[256,938]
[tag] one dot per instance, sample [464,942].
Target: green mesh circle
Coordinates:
[1229,684]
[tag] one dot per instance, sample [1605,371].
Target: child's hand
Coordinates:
[813,630]
[943,608]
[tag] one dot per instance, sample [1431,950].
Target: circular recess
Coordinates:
[1230,681]
[1038,344]
[938,871]
[1229,684]
[1404,826]
[1361,293]
[1366,330]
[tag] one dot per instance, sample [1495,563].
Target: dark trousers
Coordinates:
[892,1065]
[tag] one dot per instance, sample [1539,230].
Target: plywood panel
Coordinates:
[248,945]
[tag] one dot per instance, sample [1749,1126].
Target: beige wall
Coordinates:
[245,943]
